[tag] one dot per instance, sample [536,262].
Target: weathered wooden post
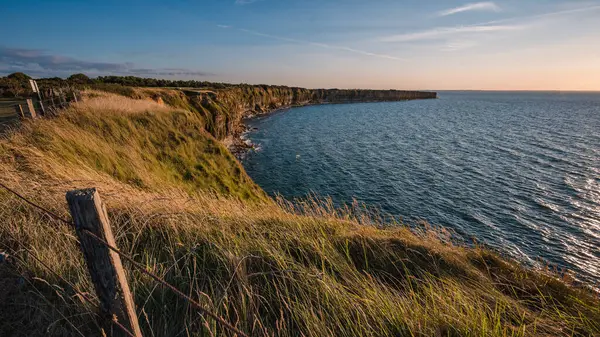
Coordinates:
[31,108]
[36,89]
[63,100]
[19,110]
[104,265]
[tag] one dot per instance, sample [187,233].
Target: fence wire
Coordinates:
[137,265]
[62,279]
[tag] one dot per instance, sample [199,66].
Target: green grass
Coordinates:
[269,267]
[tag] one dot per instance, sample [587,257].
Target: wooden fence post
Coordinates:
[63,100]
[19,109]
[42,108]
[38,100]
[104,265]
[31,108]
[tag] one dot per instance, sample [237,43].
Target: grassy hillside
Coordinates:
[184,207]
[140,143]
[222,110]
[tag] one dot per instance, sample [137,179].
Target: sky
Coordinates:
[379,44]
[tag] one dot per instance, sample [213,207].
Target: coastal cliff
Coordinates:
[225,109]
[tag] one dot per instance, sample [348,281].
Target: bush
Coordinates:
[79,78]
[21,77]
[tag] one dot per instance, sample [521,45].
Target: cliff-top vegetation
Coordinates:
[181,205]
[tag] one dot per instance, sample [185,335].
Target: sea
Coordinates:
[516,171]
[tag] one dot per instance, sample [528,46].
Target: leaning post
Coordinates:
[19,110]
[104,265]
[31,108]
[36,89]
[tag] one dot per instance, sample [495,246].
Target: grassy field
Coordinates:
[184,207]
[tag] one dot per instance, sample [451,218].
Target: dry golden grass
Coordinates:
[102,102]
[272,268]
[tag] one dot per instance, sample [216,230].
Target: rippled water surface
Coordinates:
[519,171]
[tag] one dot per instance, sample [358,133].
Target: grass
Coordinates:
[138,142]
[270,267]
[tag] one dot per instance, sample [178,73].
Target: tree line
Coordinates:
[17,84]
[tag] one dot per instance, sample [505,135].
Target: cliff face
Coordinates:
[224,110]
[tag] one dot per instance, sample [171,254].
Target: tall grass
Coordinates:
[270,267]
[139,142]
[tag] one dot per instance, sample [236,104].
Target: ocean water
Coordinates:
[517,171]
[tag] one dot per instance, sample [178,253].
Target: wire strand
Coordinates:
[56,217]
[168,285]
[137,265]
[90,301]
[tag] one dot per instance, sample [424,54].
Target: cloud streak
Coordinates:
[548,15]
[478,6]
[321,45]
[37,59]
[38,62]
[445,32]
[458,33]
[245,2]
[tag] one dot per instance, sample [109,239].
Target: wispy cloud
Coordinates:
[463,37]
[445,32]
[246,2]
[457,33]
[565,12]
[455,45]
[317,44]
[39,63]
[478,6]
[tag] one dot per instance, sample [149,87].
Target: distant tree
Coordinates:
[79,78]
[21,77]
[133,81]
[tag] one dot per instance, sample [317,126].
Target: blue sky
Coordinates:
[504,44]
